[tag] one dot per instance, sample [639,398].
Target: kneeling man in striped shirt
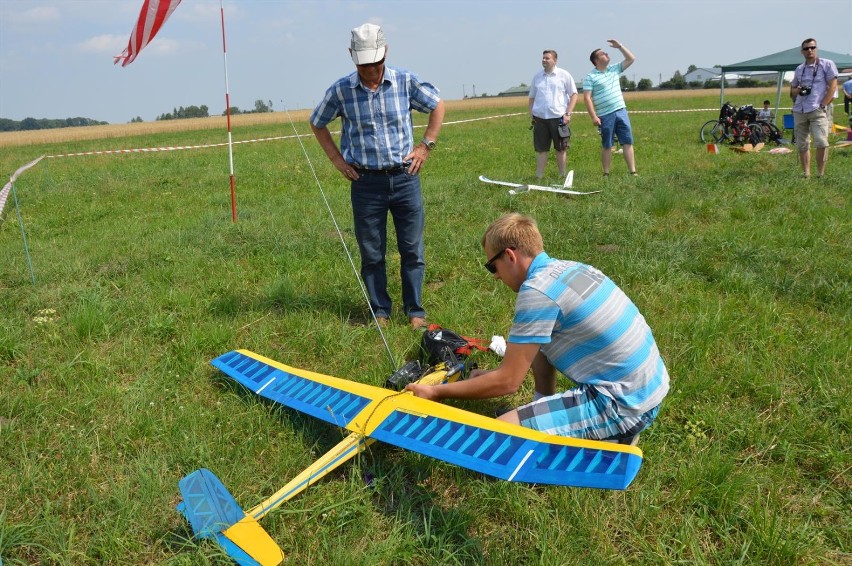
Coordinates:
[572,319]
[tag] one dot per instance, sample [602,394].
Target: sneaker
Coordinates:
[634,174]
[418,322]
[382,321]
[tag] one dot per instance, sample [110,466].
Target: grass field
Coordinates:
[741,268]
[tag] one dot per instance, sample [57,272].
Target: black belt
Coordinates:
[389,171]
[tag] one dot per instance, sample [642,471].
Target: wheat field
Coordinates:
[60,135]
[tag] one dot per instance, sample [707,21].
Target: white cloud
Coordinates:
[37,15]
[109,43]
[166,46]
[113,44]
[206,13]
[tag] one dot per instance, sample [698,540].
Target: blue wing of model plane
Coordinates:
[486,445]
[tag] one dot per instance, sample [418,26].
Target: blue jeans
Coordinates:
[373,196]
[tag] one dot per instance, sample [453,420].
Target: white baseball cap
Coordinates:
[368,44]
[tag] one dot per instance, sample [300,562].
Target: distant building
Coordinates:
[762,76]
[702,75]
[520,90]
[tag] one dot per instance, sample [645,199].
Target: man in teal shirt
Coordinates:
[605,104]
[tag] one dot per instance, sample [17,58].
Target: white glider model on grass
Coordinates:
[521,188]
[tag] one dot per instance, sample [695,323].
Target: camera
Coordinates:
[805,90]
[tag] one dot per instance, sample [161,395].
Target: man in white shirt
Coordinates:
[553,95]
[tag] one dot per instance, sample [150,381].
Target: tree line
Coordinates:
[204,112]
[7,125]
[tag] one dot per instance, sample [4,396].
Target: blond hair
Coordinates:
[514,231]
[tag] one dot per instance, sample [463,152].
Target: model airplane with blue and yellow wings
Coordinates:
[505,451]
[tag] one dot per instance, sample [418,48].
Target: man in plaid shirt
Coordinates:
[380,159]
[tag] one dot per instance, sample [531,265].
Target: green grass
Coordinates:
[741,268]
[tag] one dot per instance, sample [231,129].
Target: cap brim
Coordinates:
[368,56]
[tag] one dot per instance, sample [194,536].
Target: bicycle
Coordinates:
[739,126]
[771,132]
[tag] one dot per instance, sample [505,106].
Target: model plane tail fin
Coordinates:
[214,513]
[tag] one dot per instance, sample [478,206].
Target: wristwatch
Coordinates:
[430,145]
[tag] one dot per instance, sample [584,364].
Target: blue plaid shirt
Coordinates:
[377,130]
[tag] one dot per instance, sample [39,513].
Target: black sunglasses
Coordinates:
[376,64]
[809,48]
[489,265]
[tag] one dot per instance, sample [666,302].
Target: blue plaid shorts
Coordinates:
[583,412]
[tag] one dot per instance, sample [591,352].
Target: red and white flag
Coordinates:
[153,15]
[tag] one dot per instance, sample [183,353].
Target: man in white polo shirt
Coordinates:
[553,95]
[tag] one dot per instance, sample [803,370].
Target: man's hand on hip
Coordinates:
[417,158]
[348,172]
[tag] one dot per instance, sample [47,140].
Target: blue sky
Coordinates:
[56,56]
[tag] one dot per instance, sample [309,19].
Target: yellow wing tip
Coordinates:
[255,541]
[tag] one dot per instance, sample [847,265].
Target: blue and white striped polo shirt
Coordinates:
[377,131]
[605,87]
[591,332]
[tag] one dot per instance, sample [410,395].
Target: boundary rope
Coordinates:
[4,191]
[294,136]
